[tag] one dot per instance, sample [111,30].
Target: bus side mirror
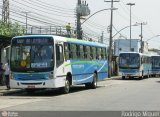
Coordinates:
[141,60]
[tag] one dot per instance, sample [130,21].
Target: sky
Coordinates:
[60,12]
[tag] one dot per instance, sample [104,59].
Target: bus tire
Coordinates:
[123,77]
[94,82]
[141,77]
[92,85]
[66,88]
[88,85]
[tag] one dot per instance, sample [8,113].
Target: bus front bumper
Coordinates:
[54,83]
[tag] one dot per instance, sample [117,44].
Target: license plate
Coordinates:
[31,86]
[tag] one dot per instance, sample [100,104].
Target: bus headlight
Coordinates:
[51,75]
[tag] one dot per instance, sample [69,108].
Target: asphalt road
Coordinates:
[111,95]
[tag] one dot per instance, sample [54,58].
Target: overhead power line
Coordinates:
[17,9]
[55,6]
[48,8]
[40,10]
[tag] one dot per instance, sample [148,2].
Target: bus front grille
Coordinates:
[38,83]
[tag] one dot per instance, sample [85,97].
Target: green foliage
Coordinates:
[11,29]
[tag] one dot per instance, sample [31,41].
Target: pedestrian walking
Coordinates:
[1,74]
[68,28]
[6,74]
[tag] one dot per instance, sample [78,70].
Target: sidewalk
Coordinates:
[113,78]
[4,91]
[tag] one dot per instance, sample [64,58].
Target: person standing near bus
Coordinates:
[6,74]
[68,28]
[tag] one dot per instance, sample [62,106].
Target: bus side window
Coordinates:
[144,60]
[73,50]
[66,51]
[81,52]
[59,55]
[85,52]
[106,54]
[141,60]
[88,52]
[98,53]
[103,53]
[69,51]
[78,51]
[93,53]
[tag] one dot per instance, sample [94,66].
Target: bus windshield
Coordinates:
[156,61]
[129,60]
[31,57]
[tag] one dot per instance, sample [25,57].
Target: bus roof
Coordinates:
[155,55]
[77,41]
[129,52]
[25,36]
[65,39]
[144,54]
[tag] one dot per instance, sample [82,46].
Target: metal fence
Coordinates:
[60,31]
[54,30]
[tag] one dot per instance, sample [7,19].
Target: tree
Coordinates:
[11,29]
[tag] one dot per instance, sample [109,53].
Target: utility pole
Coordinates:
[141,35]
[5,11]
[102,37]
[130,4]
[26,20]
[78,22]
[110,41]
[141,39]
[82,10]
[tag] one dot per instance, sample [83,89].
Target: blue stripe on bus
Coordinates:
[31,76]
[87,68]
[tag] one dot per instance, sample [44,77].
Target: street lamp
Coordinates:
[141,35]
[130,4]
[152,38]
[96,13]
[118,32]
[123,29]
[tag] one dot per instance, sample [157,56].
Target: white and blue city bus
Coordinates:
[155,65]
[66,62]
[134,64]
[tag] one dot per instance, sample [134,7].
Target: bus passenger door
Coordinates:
[59,55]
[60,72]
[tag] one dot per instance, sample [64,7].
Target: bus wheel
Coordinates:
[88,85]
[130,77]
[94,82]
[92,85]
[123,77]
[66,88]
[141,77]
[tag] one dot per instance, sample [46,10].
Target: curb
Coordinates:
[11,92]
[113,78]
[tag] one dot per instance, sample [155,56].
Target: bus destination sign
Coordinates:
[32,41]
